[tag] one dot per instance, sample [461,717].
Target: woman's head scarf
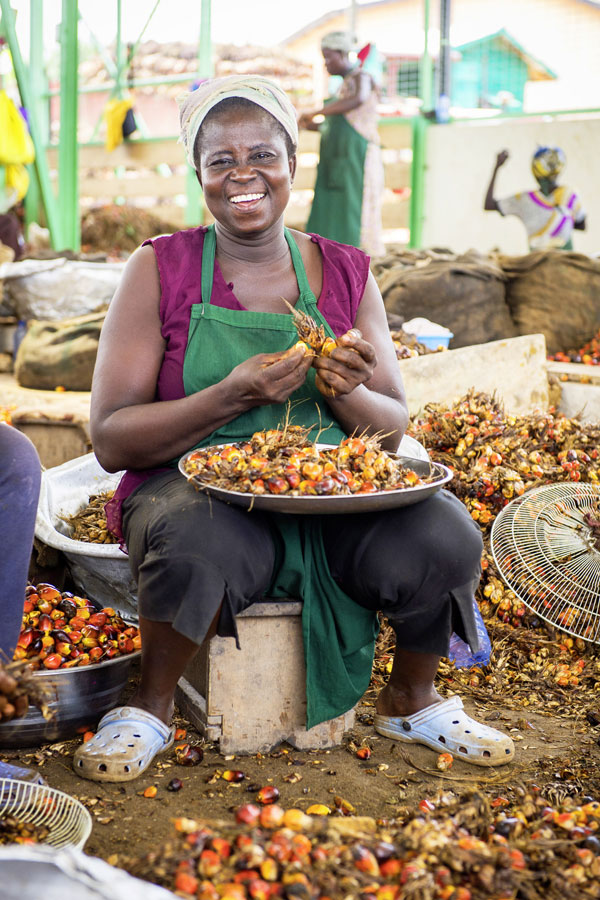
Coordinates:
[195,106]
[337,40]
[548,162]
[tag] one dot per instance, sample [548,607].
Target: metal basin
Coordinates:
[83,695]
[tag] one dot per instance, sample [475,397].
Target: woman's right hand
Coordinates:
[270,377]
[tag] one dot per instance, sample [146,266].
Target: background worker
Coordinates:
[350,179]
[549,214]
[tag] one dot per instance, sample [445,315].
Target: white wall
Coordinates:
[460,157]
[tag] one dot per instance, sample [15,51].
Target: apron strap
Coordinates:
[298,264]
[208,264]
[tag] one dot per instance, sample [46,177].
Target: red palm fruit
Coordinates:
[25,638]
[364,860]
[53,661]
[209,864]
[267,794]
[364,753]
[98,619]
[186,883]
[247,814]
[49,592]
[233,775]
[96,654]
[221,846]
[259,889]
[45,624]
[276,485]
[186,755]
[77,623]
[271,816]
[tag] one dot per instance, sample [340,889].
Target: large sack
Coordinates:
[554,293]
[59,354]
[56,289]
[463,293]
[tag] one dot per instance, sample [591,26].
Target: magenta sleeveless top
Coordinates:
[179,261]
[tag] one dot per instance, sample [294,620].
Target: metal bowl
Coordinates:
[83,695]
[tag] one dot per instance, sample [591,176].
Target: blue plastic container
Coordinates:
[434,340]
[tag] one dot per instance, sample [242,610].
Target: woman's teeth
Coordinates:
[246,198]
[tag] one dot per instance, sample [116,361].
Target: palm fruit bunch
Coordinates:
[63,631]
[496,457]
[18,688]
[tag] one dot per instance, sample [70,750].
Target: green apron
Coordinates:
[336,211]
[339,635]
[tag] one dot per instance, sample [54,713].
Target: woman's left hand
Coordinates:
[350,364]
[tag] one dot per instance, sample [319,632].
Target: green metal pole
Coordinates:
[417,181]
[68,154]
[419,140]
[41,163]
[426,68]
[194,208]
[37,81]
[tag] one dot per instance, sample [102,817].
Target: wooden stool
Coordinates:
[253,698]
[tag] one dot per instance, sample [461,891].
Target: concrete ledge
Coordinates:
[514,369]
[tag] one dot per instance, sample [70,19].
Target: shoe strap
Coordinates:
[133,715]
[423,716]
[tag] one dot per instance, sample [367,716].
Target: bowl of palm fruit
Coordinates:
[72,661]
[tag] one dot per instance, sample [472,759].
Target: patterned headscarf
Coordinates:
[337,40]
[548,162]
[194,106]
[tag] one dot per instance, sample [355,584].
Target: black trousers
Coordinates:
[418,565]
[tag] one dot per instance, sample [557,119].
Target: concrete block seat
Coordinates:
[251,699]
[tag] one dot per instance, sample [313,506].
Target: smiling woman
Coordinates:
[199,348]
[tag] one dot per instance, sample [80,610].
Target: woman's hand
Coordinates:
[271,377]
[501,158]
[350,364]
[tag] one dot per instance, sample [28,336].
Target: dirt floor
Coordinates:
[560,755]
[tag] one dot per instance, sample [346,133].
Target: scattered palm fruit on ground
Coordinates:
[63,631]
[89,523]
[286,462]
[14,831]
[18,688]
[452,847]
[6,414]
[589,354]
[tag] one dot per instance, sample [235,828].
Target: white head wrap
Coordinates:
[194,106]
[337,40]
